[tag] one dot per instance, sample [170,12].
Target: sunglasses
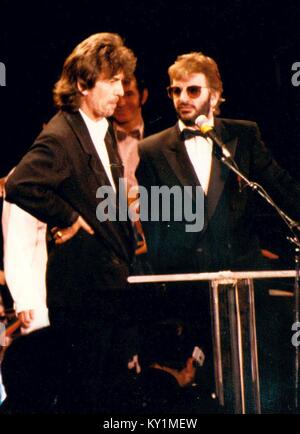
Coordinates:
[192,91]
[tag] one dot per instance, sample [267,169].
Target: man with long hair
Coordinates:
[57,182]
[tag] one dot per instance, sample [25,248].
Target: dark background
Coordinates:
[255,44]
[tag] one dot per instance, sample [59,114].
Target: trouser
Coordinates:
[98,343]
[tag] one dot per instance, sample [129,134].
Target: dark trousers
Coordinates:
[97,346]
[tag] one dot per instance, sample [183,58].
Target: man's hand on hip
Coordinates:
[61,235]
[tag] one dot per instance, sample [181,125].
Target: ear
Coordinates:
[214,98]
[81,89]
[145,95]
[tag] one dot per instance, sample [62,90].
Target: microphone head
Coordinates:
[202,123]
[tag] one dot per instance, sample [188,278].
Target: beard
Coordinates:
[188,122]
[189,119]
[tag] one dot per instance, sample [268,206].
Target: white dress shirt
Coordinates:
[25,261]
[199,151]
[2,390]
[98,130]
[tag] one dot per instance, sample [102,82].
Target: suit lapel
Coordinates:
[219,172]
[80,130]
[178,159]
[116,164]
[94,162]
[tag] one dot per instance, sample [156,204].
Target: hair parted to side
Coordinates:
[195,63]
[100,53]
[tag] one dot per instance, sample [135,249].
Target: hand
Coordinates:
[141,241]
[26,317]
[270,255]
[61,235]
[134,364]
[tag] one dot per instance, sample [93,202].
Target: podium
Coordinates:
[236,364]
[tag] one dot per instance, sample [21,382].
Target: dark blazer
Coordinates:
[228,239]
[56,181]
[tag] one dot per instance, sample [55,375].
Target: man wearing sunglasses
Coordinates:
[179,156]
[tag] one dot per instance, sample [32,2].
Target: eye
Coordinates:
[194,91]
[115,79]
[173,91]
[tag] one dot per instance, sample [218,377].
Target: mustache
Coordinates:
[183,106]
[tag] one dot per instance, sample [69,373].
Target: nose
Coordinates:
[183,97]
[119,88]
[121,101]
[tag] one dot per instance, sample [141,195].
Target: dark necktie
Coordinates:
[121,135]
[116,166]
[187,133]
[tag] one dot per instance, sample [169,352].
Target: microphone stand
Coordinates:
[293,239]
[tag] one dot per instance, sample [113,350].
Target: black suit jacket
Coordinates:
[56,181]
[228,239]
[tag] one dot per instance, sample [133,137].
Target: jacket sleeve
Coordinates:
[284,189]
[36,185]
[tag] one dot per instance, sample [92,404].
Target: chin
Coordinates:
[109,113]
[189,121]
[121,119]
[187,118]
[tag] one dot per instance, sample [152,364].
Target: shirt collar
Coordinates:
[182,125]
[98,128]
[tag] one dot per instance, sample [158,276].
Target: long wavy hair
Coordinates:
[101,53]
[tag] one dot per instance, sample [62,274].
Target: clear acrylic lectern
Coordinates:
[234,331]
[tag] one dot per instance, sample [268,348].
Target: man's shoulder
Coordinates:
[58,128]
[157,140]
[237,124]
[57,122]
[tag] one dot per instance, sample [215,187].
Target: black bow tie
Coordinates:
[121,135]
[187,133]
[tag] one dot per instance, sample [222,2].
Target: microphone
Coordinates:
[208,130]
